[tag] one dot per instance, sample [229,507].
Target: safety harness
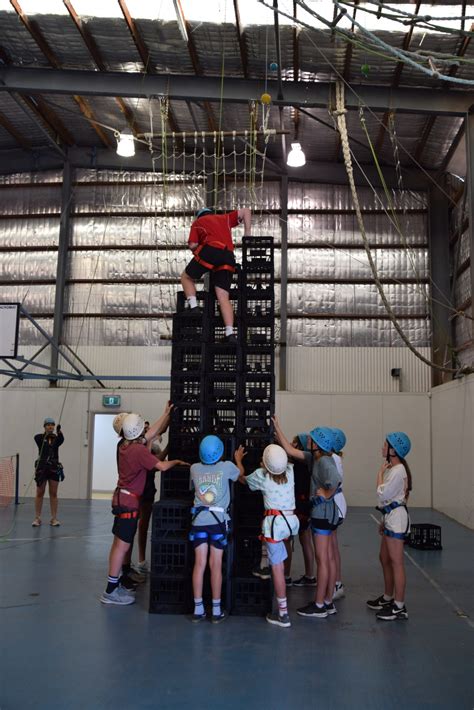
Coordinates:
[118,508]
[276,514]
[319,500]
[206,264]
[385,510]
[203,534]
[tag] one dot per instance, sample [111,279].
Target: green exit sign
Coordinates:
[111,400]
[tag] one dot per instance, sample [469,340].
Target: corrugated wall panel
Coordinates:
[356,370]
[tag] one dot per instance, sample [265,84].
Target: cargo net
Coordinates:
[7,493]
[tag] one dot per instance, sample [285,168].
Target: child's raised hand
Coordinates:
[183,463]
[169,406]
[240,453]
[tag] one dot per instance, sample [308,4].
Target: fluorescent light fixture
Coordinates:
[296,158]
[125,144]
[181,20]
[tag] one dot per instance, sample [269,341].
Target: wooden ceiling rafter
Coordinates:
[44,113]
[212,123]
[145,57]
[22,141]
[94,52]
[397,75]
[43,45]
[430,122]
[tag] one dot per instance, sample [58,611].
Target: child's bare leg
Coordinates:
[200,562]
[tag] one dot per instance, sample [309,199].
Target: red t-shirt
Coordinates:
[214,228]
[134,461]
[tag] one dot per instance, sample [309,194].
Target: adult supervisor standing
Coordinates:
[48,469]
[210,240]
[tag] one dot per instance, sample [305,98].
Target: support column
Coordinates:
[440,291]
[63,249]
[469,120]
[284,279]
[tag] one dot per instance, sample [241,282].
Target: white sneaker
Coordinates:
[339,592]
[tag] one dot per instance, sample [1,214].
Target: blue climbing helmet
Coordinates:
[211,449]
[399,441]
[203,211]
[303,439]
[339,439]
[323,438]
[48,420]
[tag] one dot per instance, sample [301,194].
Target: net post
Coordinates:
[17,478]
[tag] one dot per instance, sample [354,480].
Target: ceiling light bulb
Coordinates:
[125,144]
[296,157]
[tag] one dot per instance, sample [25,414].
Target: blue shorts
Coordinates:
[276,552]
[206,534]
[321,526]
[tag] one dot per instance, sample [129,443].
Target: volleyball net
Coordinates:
[9,485]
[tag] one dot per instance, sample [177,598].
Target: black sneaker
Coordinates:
[262,572]
[196,618]
[379,603]
[392,612]
[217,618]
[230,339]
[330,608]
[128,583]
[313,610]
[288,581]
[277,620]
[196,311]
[305,581]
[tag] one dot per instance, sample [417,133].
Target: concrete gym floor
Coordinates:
[60,648]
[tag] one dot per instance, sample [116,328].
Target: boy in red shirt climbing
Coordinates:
[210,240]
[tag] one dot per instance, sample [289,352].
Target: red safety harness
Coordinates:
[275,514]
[206,264]
[117,508]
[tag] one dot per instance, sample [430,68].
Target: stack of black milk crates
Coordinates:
[251,594]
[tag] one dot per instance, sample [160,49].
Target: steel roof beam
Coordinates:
[297,93]
[102,159]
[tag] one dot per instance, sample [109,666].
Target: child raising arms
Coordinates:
[276,481]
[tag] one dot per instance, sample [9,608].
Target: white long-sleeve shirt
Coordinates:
[394,485]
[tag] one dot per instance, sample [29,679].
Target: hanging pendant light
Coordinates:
[296,158]
[125,144]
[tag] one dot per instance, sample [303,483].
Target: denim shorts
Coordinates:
[276,552]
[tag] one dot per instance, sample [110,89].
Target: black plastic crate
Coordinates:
[171,595]
[222,359]
[259,389]
[184,447]
[175,484]
[259,334]
[254,445]
[425,536]
[256,289]
[258,361]
[202,298]
[186,390]
[258,258]
[187,358]
[217,330]
[185,419]
[256,419]
[221,420]
[221,389]
[171,517]
[244,518]
[189,328]
[251,596]
[171,556]
[246,503]
[258,309]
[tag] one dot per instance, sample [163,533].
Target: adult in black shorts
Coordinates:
[210,240]
[48,470]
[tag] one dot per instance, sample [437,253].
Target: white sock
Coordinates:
[229,330]
[216,607]
[198,606]
[338,584]
[282,606]
[387,599]
[400,605]
[327,603]
[192,300]
[320,606]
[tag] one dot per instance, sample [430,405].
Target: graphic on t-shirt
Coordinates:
[207,492]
